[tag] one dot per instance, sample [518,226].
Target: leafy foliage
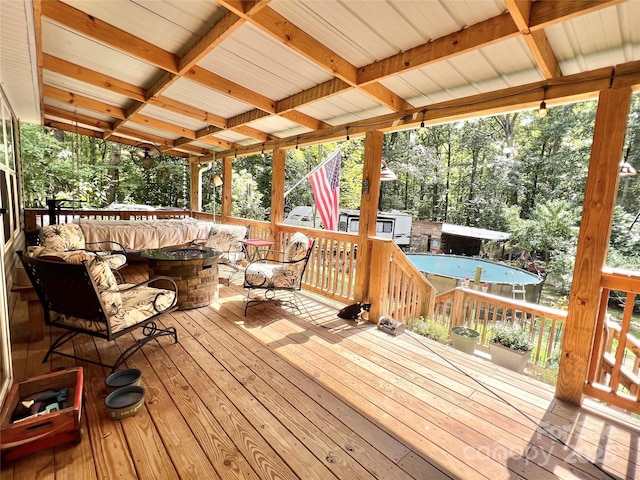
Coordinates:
[511,335]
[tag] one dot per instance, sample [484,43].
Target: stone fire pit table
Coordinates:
[193,268]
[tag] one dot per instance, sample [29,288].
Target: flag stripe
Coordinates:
[325,184]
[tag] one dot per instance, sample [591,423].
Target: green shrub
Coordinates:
[430,329]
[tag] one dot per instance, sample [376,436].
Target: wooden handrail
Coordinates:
[614,368]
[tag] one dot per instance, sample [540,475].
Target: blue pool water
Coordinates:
[461,267]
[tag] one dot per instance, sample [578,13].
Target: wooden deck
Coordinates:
[276,396]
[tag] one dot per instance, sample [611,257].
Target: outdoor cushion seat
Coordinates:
[227,239]
[284,274]
[69,237]
[79,293]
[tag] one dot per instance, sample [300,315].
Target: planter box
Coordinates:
[464,343]
[30,435]
[506,357]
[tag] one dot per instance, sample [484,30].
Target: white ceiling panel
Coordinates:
[198,96]
[259,62]
[150,131]
[168,25]
[90,54]
[78,110]
[85,89]
[603,38]
[172,117]
[350,103]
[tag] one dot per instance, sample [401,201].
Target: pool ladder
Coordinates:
[517,289]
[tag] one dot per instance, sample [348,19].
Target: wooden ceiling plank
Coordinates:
[91,77]
[302,119]
[481,34]
[252,133]
[303,43]
[72,128]
[379,92]
[188,111]
[537,40]
[75,117]
[246,117]
[319,92]
[218,142]
[92,27]
[162,125]
[231,89]
[145,137]
[83,102]
[545,14]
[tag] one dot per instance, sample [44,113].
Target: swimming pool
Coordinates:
[449,271]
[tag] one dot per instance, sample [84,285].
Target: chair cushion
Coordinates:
[66,236]
[114,260]
[98,269]
[226,238]
[271,275]
[297,248]
[137,306]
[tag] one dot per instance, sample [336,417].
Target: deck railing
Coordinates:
[614,369]
[480,311]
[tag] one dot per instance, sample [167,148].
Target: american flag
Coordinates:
[325,183]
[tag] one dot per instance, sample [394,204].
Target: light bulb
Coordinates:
[542,112]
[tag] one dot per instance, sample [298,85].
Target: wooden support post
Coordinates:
[277,192]
[593,242]
[195,199]
[380,269]
[368,213]
[227,181]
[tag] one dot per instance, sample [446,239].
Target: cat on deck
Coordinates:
[354,311]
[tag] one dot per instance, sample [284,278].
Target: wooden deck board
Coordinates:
[275,395]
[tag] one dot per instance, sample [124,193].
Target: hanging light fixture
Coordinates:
[542,111]
[627,170]
[217,182]
[422,127]
[386,174]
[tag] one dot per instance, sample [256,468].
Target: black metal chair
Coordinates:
[84,298]
[283,274]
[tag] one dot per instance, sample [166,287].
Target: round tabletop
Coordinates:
[188,252]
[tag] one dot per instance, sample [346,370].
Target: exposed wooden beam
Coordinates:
[481,34]
[91,77]
[83,102]
[252,133]
[145,137]
[162,125]
[75,117]
[210,40]
[319,92]
[545,14]
[87,132]
[537,40]
[92,27]
[231,89]
[189,111]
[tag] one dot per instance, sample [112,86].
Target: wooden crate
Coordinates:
[18,439]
